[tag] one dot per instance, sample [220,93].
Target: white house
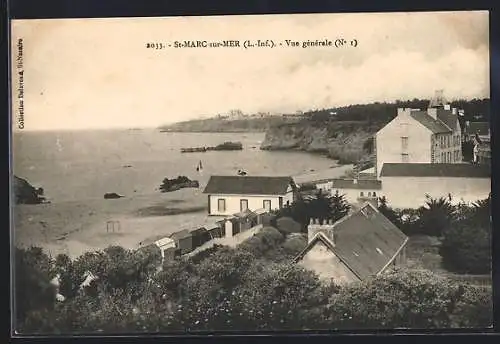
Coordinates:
[228,195]
[416,136]
[355,190]
[406,185]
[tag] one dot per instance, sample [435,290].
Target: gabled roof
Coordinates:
[434,170]
[362,184]
[365,241]
[448,118]
[248,185]
[481,128]
[435,126]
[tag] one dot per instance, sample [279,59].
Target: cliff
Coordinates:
[25,193]
[215,125]
[346,141]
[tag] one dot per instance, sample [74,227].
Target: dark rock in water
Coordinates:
[180,182]
[25,193]
[112,195]
[229,146]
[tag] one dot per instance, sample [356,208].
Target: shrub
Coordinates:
[466,248]
[408,299]
[293,245]
[288,225]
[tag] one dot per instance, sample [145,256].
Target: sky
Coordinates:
[97,73]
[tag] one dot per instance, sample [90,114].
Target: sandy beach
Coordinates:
[74,227]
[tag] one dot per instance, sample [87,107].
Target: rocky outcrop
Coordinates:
[112,195]
[25,193]
[180,182]
[348,142]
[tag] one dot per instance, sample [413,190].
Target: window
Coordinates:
[404,157]
[361,193]
[404,143]
[267,204]
[374,194]
[243,204]
[369,194]
[449,156]
[221,205]
[442,157]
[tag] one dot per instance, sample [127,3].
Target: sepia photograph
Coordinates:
[298,172]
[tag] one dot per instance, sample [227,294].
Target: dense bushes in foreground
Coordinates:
[251,287]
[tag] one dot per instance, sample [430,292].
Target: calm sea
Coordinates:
[77,165]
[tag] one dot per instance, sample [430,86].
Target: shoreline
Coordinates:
[74,227]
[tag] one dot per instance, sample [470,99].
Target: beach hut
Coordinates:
[164,244]
[228,226]
[183,240]
[260,215]
[246,220]
[200,236]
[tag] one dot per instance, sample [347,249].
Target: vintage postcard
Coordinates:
[251,173]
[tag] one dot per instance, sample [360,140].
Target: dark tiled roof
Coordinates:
[429,122]
[362,184]
[448,118]
[248,185]
[481,128]
[434,170]
[366,241]
[180,235]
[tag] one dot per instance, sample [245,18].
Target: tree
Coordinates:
[33,292]
[436,216]
[339,206]
[388,212]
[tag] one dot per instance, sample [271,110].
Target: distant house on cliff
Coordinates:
[416,136]
[229,195]
[362,244]
[406,184]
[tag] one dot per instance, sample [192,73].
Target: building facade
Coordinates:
[406,185]
[228,195]
[355,190]
[416,136]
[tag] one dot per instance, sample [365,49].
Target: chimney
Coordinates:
[314,227]
[454,111]
[432,112]
[355,180]
[447,107]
